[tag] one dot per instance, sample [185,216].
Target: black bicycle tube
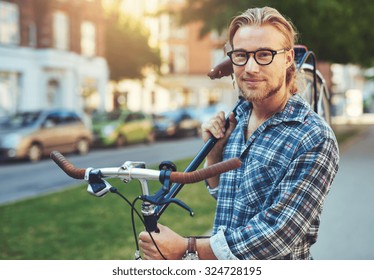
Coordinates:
[194,164]
[150,223]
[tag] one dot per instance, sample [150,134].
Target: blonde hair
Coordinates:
[268,15]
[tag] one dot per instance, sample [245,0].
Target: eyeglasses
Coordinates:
[262,57]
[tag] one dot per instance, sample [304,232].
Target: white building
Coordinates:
[51,55]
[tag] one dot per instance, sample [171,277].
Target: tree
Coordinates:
[127,48]
[337,31]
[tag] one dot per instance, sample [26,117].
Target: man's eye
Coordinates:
[240,55]
[263,54]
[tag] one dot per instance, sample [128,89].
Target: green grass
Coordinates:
[344,136]
[75,225]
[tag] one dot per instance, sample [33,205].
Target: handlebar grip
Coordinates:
[176,177]
[205,173]
[221,70]
[67,167]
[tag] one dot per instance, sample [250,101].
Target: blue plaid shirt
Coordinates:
[269,208]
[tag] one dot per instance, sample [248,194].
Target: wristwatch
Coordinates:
[191,253]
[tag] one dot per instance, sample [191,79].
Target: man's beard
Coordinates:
[255,96]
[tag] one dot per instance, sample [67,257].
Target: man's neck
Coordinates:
[262,110]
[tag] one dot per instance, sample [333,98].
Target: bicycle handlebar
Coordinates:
[205,173]
[176,177]
[67,167]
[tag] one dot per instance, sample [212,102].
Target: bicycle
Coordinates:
[153,206]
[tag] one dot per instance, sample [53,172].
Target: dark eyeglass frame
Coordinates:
[247,54]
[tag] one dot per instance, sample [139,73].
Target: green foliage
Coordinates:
[127,49]
[337,31]
[74,225]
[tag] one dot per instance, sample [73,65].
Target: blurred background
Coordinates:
[136,72]
[153,56]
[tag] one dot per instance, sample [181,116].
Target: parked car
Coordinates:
[122,127]
[32,135]
[164,126]
[3,115]
[204,114]
[178,123]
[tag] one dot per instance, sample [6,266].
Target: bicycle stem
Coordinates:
[194,164]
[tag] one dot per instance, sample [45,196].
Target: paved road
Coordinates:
[25,180]
[347,223]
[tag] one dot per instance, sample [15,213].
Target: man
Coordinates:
[269,208]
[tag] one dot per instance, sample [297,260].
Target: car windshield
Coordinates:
[174,115]
[111,116]
[160,118]
[21,120]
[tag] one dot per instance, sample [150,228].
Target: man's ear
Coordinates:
[290,57]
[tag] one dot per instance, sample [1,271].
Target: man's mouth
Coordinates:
[252,81]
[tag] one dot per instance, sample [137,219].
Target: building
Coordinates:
[52,55]
[348,85]
[186,58]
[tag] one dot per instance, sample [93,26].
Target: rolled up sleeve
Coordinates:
[220,247]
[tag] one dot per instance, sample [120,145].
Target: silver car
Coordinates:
[32,135]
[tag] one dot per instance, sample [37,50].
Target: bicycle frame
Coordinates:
[197,160]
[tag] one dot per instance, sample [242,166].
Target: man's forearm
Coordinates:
[204,250]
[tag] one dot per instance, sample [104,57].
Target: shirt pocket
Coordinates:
[256,185]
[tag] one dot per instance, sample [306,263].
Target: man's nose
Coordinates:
[251,65]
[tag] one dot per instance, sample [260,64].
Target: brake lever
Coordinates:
[181,204]
[159,199]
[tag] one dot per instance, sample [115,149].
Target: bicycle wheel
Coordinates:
[321,102]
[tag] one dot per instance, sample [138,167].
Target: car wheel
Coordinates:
[197,132]
[121,141]
[83,146]
[35,153]
[151,138]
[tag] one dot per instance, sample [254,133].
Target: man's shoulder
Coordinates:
[309,122]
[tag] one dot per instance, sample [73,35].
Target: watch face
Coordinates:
[190,256]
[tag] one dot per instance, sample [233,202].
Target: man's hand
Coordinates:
[172,245]
[216,127]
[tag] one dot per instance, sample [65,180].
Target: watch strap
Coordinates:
[191,247]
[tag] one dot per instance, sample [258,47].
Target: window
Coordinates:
[32,34]
[88,38]
[60,31]
[178,59]
[177,31]
[69,118]
[9,23]
[133,117]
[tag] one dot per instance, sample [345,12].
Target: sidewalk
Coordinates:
[347,222]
